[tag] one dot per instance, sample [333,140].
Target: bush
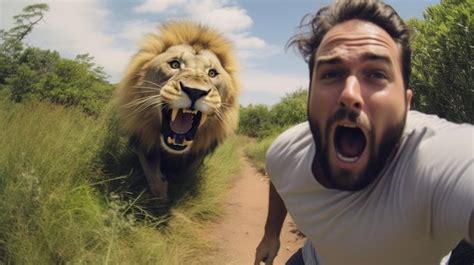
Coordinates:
[43,75]
[255,121]
[443,60]
[259,121]
[291,110]
[32,73]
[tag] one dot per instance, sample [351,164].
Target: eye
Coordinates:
[175,64]
[330,75]
[212,73]
[378,75]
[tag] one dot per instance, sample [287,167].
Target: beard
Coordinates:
[377,158]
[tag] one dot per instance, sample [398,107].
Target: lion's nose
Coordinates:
[194,93]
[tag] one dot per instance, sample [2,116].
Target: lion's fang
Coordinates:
[174,113]
[203,119]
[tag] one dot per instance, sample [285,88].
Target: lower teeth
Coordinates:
[347,159]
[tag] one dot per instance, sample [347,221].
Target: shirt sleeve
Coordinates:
[450,158]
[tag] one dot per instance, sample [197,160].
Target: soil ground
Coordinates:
[236,235]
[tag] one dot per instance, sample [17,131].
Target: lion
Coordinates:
[178,100]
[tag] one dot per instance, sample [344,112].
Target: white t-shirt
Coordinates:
[413,213]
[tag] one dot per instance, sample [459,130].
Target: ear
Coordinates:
[409,95]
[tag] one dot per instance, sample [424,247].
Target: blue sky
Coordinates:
[110,30]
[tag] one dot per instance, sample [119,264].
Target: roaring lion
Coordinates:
[178,100]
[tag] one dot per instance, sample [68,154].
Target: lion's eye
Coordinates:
[175,64]
[212,73]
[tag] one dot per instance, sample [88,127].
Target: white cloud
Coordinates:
[248,42]
[224,19]
[272,83]
[157,6]
[225,16]
[135,30]
[75,27]
[268,88]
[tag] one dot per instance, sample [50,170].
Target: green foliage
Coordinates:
[52,212]
[255,121]
[291,109]
[260,121]
[25,21]
[11,44]
[32,73]
[443,60]
[257,151]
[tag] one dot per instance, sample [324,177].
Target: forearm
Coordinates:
[276,213]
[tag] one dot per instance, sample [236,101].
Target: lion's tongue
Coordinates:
[183,122]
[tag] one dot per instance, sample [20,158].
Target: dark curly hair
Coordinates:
[313,28]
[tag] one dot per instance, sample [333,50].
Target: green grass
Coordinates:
[257,151]
[64,194]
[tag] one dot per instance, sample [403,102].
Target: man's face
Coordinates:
[357,104]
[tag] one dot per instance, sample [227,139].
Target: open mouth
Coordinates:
[180,126]
[349,142]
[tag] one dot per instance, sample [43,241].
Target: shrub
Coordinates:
[443,60]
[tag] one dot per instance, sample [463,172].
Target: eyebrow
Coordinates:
[368,56]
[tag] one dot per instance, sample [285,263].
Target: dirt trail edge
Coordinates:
[236,235]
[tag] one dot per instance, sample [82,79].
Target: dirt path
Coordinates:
[237,234]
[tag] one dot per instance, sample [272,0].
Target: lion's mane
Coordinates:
[145,122]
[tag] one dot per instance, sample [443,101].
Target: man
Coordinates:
[365,179]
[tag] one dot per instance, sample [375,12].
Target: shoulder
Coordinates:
[433,170]
[431,133]
[435,149]
[289,146]
[417,121]
[291,140]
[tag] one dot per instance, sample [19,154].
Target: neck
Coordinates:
[318,174]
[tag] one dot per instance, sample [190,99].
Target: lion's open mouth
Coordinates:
[180,126]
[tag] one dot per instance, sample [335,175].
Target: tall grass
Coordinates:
[258,150]
[52,209]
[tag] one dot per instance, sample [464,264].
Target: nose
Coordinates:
[351,97]
[194,93]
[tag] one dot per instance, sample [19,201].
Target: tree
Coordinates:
[291,110]
[11,44]
[261,121]
[255,121]
[443,60]
[25,21]
[33,73]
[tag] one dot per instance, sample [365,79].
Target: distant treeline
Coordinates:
[31,73]
[261,120]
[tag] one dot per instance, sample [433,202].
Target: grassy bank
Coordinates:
[257,151]
[59,204]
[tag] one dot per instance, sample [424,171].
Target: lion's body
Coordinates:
[178,99]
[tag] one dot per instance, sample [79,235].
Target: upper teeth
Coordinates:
[174,114]
[203,119]
[190,111]
[349,125]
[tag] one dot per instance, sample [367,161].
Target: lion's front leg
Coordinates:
[156,180]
